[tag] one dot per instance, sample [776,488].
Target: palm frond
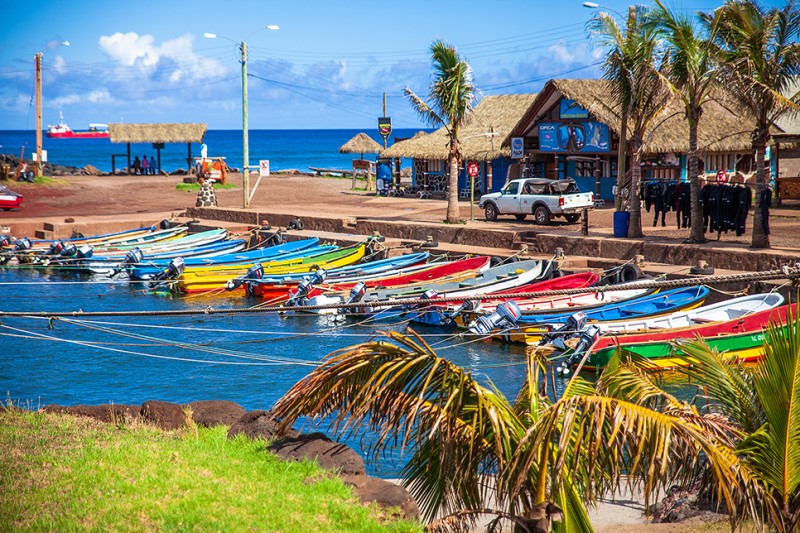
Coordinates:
[425,112]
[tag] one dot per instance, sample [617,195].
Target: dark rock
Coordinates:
[259,425]
[109,413]
[384,493]
[216,412]
[327,453]
[165,415]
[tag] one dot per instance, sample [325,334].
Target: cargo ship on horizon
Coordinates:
[63,131]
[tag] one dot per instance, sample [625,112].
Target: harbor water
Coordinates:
[248,358]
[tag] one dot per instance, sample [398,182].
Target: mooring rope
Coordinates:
[791,273]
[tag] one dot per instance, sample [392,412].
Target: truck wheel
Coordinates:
[490,211]
[520,216]
[571,219]
[542,215]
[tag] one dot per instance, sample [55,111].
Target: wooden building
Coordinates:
[158,135]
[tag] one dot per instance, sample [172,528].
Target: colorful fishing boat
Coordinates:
[148,267]
[277,289]
[9,199]
[205,279]
[741,338]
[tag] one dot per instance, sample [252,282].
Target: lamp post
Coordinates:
[38,62]
[245,136]
[595,5]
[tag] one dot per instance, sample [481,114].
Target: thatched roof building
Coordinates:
[720,130]
[361,143]
[482,139]
[157,133]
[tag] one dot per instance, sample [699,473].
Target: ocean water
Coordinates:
[285,149]
[251,359]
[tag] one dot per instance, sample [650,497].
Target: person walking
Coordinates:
[145,166]
[153,167]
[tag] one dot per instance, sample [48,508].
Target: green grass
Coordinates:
[196,186]
[64,473]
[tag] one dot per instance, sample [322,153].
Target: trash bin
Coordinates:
[622,219]
[384,174]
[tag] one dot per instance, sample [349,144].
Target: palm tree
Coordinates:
[451,99]
[692,75]
[760,57]
[636,86]
[763,404]
[468,441]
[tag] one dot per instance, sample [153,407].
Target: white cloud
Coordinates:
[130,48]
[65,100]
[101,96]
[58,64]
[566,55]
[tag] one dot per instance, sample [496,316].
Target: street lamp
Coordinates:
[38,62]
[245,140]
[595,5]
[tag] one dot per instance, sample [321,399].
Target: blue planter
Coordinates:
[622,219]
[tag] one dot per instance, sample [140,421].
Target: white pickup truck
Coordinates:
[542,198]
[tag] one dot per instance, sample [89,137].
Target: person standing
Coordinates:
[153,168]
[145,166]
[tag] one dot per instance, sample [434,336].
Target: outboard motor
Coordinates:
[22,244]
[585,341]
[468,306]
[173,270]
[357,292]
[56,248]
[305,286]
[5,240]
[573,327]
[85,251]
[134,256]
[253,273]
[70,250]
[506,316]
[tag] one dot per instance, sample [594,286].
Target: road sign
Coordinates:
[263,168]
[472,170]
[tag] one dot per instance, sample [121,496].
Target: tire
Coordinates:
[541,215]
[571,219]
[521,216]
[629,273]
[490,212]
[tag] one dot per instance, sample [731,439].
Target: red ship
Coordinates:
[62,131]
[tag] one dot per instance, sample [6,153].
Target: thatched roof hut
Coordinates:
[482,138]
[720,129]
[157,133]
[361,143]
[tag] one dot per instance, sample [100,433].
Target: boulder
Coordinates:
[259,425]
[384,493]
[327,453]
[165,415]
[110,413]
[215,412]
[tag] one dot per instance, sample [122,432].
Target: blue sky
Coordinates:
[326,67]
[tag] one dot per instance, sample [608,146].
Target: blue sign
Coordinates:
[573,137]
[571,109]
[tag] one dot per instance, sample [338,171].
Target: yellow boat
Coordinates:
[204,279]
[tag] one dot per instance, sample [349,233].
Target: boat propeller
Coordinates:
[505,316]
[134,256]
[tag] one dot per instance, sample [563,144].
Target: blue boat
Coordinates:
[148,268]
[650,305]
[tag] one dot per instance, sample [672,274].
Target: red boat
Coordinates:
[9,199]
[62,131]
[454,270]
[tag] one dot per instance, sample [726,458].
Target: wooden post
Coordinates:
[597,174]
[129,158]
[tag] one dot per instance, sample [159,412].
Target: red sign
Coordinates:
[472,170]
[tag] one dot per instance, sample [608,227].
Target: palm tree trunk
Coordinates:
[621,153]
[453,213]
[635,227]
[696,234]
[760,238]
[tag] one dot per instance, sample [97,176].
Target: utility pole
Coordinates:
[38,59]
[245,139]
[384,114]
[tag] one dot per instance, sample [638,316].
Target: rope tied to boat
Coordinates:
[786,272]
